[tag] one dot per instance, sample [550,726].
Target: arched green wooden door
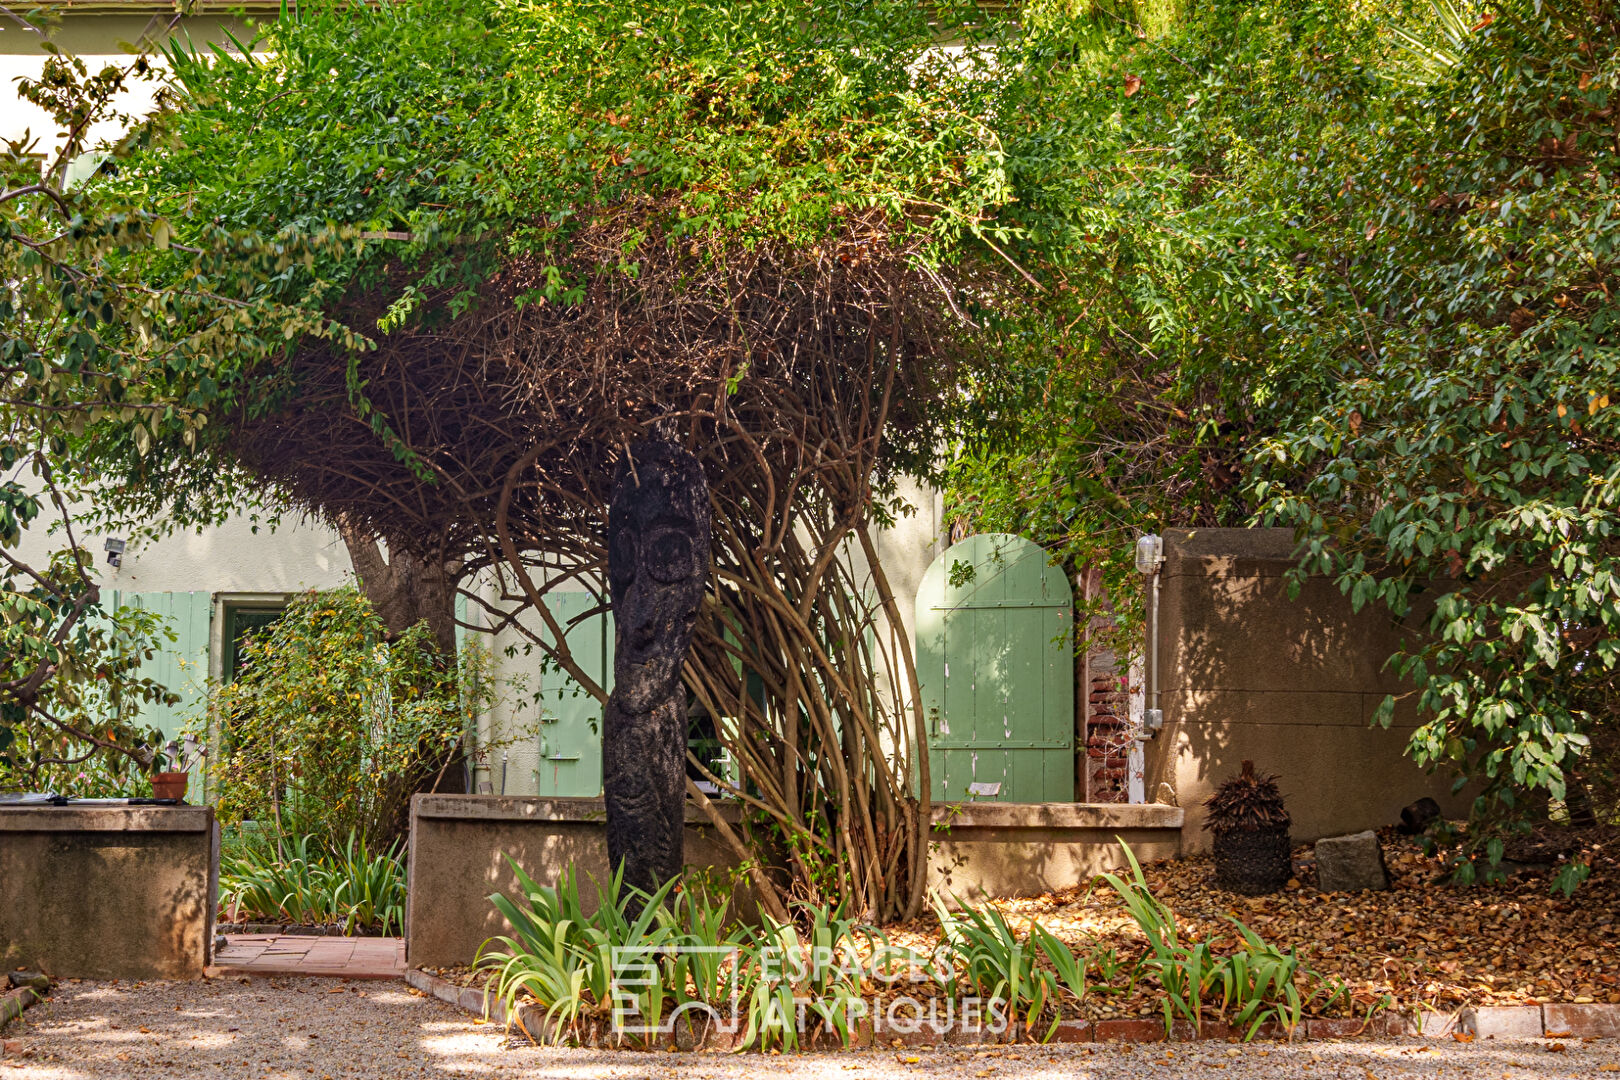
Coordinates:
[996,670]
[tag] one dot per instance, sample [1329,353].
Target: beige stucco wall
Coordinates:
[108,892]
[1030,849]
[1248,673]
[458,851]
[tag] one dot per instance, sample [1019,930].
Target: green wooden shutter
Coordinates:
[182,664]
[997,673]
[570,718]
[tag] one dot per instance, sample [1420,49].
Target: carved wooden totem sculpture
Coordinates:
[658,567]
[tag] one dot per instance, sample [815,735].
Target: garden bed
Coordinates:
[1424,943]
[1112,961]
[299,929]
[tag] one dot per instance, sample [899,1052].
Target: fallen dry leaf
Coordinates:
[1133,83]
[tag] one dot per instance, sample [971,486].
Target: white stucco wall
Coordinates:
[98,39]
[230,558]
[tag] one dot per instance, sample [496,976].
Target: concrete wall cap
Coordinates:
[1057,816]
[160,819]
[537,808]
[1231,543]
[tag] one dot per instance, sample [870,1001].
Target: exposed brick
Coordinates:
[472,1000]
[925,1035]
[1132,1031]
[1336,1028]
[965,1035]
[1073,1031]
[1502,1021]
[1421,1022]
[13,1002]
[1583,1021]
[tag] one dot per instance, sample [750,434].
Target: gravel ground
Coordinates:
[292,1029]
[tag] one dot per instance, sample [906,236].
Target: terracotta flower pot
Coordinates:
[169,785]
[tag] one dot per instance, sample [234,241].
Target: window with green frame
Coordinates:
[241,620]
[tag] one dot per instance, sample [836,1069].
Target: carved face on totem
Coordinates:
[658,566]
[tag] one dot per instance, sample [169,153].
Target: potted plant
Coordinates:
[171,784]
[1250,823]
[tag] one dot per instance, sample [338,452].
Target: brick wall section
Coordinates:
[1107,741]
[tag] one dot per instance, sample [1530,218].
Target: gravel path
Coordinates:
[294,1029]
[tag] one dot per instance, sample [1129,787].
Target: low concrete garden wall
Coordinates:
[1027,849]
[457,860]
[108,892]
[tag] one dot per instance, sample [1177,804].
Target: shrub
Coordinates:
[333,723]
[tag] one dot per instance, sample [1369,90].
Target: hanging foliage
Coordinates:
[763,232]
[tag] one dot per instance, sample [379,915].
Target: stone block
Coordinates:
[1026,849]
[1502,1021]
[1353,863]
[1583,1021]
[108,892]
[458,856]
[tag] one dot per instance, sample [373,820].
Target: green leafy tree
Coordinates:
[765,230]
[1349,269]
[102,356]
[1464,471]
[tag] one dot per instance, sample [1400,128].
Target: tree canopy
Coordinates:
[431,266]
[1349,269]
[767,233]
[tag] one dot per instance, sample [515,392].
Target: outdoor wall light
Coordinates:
[115,551]
[1149,553]
[1149,557]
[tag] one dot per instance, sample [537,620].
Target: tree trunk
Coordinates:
[405,590]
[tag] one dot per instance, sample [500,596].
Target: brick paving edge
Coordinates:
[13,1002]
[1574,1021]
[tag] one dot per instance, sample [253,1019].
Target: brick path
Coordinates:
[294,954]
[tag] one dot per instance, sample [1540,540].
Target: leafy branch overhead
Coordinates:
[767,234]
[114,338]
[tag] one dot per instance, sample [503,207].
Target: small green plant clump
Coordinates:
[676,954]
[304,882]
